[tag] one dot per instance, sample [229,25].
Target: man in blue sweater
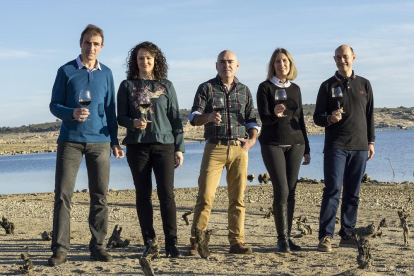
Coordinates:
[89,132]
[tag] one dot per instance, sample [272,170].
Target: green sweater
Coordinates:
[166,126]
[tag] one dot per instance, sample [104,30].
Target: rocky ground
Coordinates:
[32,215]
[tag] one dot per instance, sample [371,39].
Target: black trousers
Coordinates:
[283,164]
[143,158]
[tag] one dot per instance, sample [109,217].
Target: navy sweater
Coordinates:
[356,129]
[101,126]
[289,130]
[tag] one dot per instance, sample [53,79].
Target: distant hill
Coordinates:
[384,117]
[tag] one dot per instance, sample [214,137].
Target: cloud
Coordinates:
[14,54]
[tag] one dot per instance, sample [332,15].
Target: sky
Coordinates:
[37,37]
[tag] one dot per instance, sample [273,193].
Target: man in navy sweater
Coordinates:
[89,132]
[349,144]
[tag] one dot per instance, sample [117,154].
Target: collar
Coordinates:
[277,82]
[81,65]
[218,79]
[339,77]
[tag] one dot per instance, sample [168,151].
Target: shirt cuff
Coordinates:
[192,115]
[253,125]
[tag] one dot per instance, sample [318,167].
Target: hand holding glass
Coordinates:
[218,106]
[85,100]
[280,98]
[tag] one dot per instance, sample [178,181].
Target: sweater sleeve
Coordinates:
[370,114]
[303,125]
[123,107]
[320,116]
[57,104]
[175,119]
[110,110]
[263,106]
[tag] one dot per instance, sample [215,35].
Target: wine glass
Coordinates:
[145,103]
[218,105]
[85,100]
[280,98]
[337,95]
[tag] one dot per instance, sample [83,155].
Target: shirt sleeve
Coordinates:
[122,103]
[370,114]
[250,116]
[263,106]
[303,125]
[320,116]
[200,102]
[175,120]
[57,104]
[110,111]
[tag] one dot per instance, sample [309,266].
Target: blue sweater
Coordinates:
[101,126]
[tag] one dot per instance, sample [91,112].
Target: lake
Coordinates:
[34,173]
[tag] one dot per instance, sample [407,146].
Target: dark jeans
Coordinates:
[68,160]
[347,167]
[142,159]
[283,164]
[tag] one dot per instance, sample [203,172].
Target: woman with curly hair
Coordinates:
[148,107]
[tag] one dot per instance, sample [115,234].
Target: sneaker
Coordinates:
[240,248]
[100,255]
[57,258]
[193,249]
[348,242]
[325,244]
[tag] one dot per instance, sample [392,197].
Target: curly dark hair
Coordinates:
[160,63]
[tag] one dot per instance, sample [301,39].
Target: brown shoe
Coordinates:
[57,258]
[240,248]
[193,249]
[325,244]
[348,242]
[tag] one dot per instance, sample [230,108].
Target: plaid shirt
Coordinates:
[237,117]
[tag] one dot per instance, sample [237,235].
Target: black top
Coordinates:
[289,130]
[356,129]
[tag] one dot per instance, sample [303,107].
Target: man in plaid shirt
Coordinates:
[229,134]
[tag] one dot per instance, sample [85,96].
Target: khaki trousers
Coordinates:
[215,158]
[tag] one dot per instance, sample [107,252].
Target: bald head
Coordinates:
[344,58]
[344,47]
[227,65]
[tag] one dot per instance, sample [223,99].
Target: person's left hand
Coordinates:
[118,152]
[179,159]
[247,144]
[371,151]
[307,159]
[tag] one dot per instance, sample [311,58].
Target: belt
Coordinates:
[224,142]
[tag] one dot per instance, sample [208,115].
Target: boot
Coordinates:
[290,211]
[280,213]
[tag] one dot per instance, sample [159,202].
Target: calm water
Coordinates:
[35,172]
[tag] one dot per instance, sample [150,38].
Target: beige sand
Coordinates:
[32,214]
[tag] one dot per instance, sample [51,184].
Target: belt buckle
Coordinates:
[232,142]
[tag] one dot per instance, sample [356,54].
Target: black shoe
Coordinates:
[293,246]
[283,246]
[100,255]
[57,258]
[172,251]
[146,251]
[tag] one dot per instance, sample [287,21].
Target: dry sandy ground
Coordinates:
[32,214]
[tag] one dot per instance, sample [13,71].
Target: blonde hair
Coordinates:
[271,69]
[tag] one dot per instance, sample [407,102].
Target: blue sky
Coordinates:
[37,37]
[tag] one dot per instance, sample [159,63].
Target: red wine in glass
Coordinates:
[85,100]
[337,95]
[218,105]
[145,103]
[280,98]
